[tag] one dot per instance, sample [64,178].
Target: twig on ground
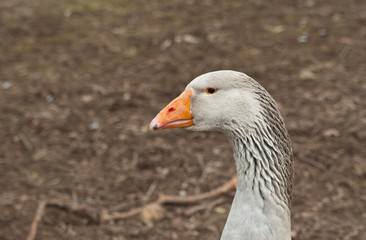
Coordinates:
[36,220]
[314,163]
[105,216]
[27,144]
[204,206]
[150,192]
[171,199]
[149,211]
[86,212]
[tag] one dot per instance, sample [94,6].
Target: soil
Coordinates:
[81,80]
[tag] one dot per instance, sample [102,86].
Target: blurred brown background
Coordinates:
[80,81]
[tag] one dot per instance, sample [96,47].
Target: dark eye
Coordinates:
[211,90]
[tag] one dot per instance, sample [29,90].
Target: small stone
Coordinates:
[182,193]
[303,38]
[50,98]
[119,30]
[17,207]
[190,39]
[39,154]
[323,32]
[332,132]
[275,29]
[187,38]
[220,210]
[307,74]
[24,198]
[87,98]
[152,212]
[278,29]
[122,136]
[6,85]
[216,151]
[144,128]
[126,96]
[67,13]
[94,126]
[166,44]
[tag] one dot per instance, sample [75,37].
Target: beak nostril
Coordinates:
[171,109]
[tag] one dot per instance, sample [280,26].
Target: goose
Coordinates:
[235,104]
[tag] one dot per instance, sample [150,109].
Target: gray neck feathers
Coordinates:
[265,147]
[263,158]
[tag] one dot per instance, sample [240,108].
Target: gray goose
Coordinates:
[233,103]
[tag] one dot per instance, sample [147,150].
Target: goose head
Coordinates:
[234,103]
[215,101]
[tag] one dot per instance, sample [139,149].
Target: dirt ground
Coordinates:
[81,80]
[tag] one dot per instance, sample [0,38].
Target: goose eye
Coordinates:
[211,90]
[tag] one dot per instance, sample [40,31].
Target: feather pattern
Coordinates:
[264,163]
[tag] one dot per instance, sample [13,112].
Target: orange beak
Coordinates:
[176,114]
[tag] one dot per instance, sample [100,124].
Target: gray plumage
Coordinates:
[248,115]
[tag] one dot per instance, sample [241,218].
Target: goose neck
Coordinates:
[261,205]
